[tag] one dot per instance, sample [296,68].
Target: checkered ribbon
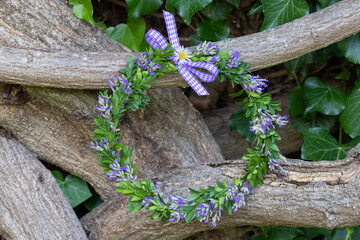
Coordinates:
[188,69]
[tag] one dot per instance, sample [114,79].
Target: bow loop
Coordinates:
[186,68]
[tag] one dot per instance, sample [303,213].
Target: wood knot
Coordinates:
[13,94]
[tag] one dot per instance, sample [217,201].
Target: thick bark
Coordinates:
[71,68]
[322,194]
[57,125]
[43,44]
[233,146]
[32,205]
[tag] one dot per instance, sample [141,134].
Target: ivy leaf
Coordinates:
[186,8]
[138,8]
[217,10]
[296,102]
[213,31]
[324,3]
[75,189]
[350,47]
[82,9]
[312,233]
[93,202]
[311,60]
[195,38]
[236,3]
[318,120]
[278,12]
[284,233]
[320,145]
[241,124]
[130,34]
[322,98]
[258,7]
[349,119]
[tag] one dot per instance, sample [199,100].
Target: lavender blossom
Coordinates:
[255,84]
[207,48]
[147,64]
[213,59]
[265,122]
[274,164]
[119,173]
[233,61]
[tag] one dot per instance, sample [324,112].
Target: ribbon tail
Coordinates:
[171,29]
[192,81]
[156,40]
[206,77]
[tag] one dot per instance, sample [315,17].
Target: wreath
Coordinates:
[127,93]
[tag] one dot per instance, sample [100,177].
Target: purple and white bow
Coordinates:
[187,69]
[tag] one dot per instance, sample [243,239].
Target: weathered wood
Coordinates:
[32,205]
[233,146]
[69,67]
[321,194]
[57,125]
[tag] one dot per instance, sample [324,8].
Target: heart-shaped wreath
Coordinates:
[128,93]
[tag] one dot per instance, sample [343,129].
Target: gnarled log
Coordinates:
[32,205]
[57,124]
[89,70]
[60,123]
[321,194]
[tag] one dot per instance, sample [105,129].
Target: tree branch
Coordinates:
[90,70]
[298,199]
[32,205]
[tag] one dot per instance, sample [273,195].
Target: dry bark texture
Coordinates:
[32,205]
[322,194]
[43,45]
[89,70]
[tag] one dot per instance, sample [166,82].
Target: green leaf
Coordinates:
[186,8]
[217,10]
[258,7]
[318,120]
[75,189]
[190,216]
[324,3]
[320,145]
[350,47]
[130,34]
[296,102]
[349,119]
[93,202]
[236,3]
[83,10]
[311,60]
[284,233]
[58,176]
[195,38]
[213,31]
[312,233]
[278,12]
[322,98]
[241,124]
[138,8]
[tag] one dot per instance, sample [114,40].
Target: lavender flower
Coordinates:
[119,173]
[233,61]
[264,122]
[213,59]
[207,48]
[255,84]
[147,64]
[274,164]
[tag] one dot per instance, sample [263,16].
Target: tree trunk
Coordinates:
[43,47]
[32,205]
